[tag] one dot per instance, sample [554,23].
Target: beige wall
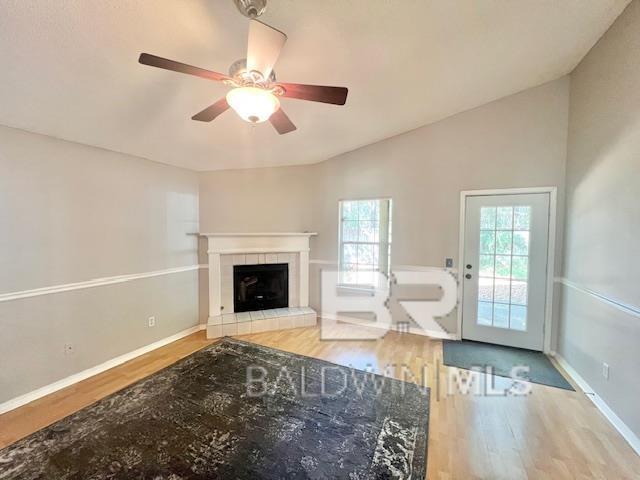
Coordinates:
[72,213]
[518,141]
[603,217]
[257,200]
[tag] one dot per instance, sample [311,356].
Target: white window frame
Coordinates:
[384,239]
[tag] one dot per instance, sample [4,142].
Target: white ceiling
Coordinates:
[69,69]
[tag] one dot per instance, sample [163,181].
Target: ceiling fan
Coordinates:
[255,93]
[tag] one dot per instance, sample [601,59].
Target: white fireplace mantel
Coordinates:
[260,234]
[230,243]
[255,243]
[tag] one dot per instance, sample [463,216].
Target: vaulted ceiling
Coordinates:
[69,69]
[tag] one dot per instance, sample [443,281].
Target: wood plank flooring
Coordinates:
[549,434]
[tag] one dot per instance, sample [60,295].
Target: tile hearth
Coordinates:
[259,321]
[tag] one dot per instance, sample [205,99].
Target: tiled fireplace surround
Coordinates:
[228,249]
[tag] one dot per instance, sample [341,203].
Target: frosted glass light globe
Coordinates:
[255,105]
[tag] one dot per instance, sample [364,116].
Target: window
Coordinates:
[365,240]
[504,267]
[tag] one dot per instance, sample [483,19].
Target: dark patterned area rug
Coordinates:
[237,410]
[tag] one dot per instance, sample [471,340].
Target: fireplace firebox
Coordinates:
[260,287]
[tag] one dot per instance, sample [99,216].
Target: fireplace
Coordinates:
[260,287]
[264,313]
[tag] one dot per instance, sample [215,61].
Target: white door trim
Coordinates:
[551,253]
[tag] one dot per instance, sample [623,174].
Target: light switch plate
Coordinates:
[448,262]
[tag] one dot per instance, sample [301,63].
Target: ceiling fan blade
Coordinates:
[212,111]
[281,122]
[159,62]
[263,47]
[315,93]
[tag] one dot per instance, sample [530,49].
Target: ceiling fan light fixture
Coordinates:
[252,104]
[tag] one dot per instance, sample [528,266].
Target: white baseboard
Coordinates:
[90,372]
[618,424]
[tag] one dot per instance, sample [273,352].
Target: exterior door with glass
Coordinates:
[505,269]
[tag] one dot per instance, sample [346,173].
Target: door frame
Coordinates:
[551,251]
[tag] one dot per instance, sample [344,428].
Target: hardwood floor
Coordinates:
[548,434]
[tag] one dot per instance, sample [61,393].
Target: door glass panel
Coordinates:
[521,218]
[504,267]
[488,218]
[485,289]
[519,268]
[504,219]
[488,242]
[485,313]
[519,293]
[486,265]
[501,315]
[502,290]
[521,243]
[518,318]
[503,242]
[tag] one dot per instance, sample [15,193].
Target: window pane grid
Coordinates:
[363,249]
[504,261]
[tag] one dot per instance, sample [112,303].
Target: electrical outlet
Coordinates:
[605,370]
[152,321]
[448,262]
[68,349]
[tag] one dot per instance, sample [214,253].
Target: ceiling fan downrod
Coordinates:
[251,8]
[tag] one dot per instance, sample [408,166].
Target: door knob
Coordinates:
[469,267]
[467,276]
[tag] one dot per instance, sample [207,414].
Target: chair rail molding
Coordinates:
[627,308]
[96,282]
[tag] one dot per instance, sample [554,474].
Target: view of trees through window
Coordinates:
[504,266]
[365,240]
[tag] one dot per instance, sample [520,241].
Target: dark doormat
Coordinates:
[477,355]
[202,418]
